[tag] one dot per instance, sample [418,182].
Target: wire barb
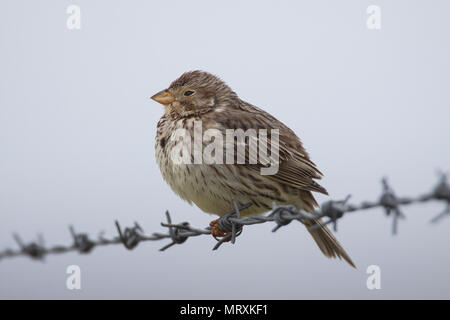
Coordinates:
[81,241]
[131,236]
[233,223]
[175,232]
[391,204]
[334,210]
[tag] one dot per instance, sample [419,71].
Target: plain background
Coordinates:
[77,133]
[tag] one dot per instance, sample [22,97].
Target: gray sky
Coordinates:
[77,133]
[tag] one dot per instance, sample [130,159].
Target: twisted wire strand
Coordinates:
[232,223]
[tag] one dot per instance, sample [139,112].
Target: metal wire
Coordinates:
[232,223]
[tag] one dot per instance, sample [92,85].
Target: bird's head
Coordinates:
[196,91]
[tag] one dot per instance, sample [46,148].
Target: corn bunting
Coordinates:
[200,102]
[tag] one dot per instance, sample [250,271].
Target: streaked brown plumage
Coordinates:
[200,96]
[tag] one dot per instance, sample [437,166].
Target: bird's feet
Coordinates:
[216,232]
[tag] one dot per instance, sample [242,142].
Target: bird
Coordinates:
[199,98]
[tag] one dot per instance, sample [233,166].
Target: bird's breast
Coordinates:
[173,146]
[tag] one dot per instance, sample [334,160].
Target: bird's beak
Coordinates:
[164,97]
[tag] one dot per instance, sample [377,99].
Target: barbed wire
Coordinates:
[232,223]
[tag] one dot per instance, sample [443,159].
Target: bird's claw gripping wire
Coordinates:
[218,233]
[224,229]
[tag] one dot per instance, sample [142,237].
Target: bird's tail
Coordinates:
[326,241]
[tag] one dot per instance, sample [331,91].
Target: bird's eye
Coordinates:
[188,93]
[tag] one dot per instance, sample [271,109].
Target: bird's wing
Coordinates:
[295,167]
